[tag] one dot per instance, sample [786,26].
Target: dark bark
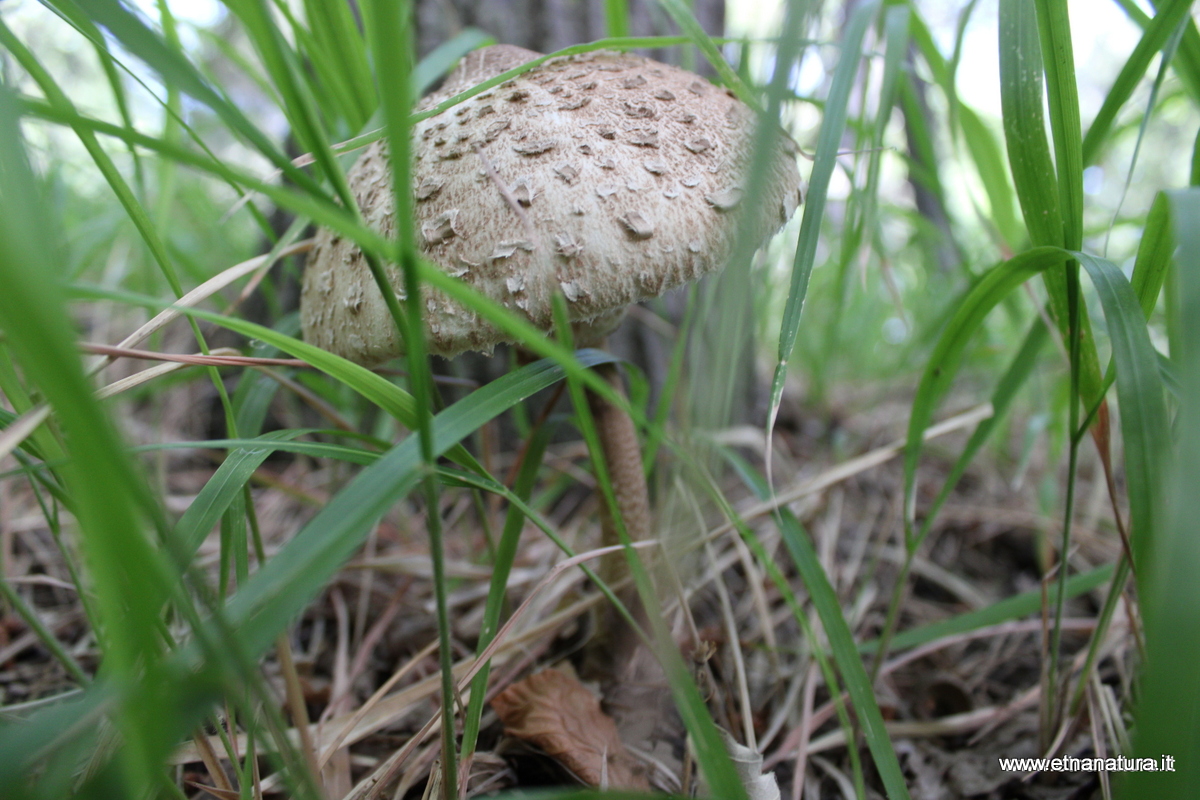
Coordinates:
[548,25]
[923,173]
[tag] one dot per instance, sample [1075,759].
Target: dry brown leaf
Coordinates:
[554,712]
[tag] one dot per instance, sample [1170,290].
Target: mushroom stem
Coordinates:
[609,648]
[623,457]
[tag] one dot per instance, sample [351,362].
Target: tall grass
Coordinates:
[174,649]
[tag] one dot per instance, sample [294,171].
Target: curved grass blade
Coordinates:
[1187,62]
[690,27]
[989,163]
[85,27]
[301,203]
[287,76]
[146,228]
[1168,52]
[1021,96]
[947,354]
[363,380]
[1006,390]
[727,303]
[896,36]
[981,142]
[445,55]
[616,17]
[1140,394]
[339,46]
[277,444]
[279,591]
[27,742]
[176,71]
[374,387]
[951,83]
[392,50]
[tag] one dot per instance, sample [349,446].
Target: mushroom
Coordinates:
[605,177]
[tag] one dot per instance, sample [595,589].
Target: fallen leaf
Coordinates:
[556,713]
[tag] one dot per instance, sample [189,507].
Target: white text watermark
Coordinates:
[1075,764]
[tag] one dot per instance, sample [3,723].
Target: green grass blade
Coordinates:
[26,742]
[512,324]
[48,639]
[280,590]
[1165,714]
[341,46]
[443,57]
[1154,38]
[989,163]
[711,755]
[1010,383]
[1140,394]
[947,354]
[1002,397]
[616,17]
[221,489]
[506,553]
[981,143]
[758,484]
[1048,207]
[1155,251]
[951,84]
[277,442]
[845,654]
[327,86]
[1021,97]
[1187,63]
[833,124]
[691,28]
[176,71]
[1058,59]
[302,203]
[727,303]
[1015,607]
[1169,50]
[281,64]
[392,50]
[374,387]
[896,37]
[129,576]
[146,228]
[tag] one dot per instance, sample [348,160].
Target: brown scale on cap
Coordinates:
[606,177]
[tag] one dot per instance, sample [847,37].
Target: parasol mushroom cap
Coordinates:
[606,177]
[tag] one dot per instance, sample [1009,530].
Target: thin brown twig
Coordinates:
[113,351]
